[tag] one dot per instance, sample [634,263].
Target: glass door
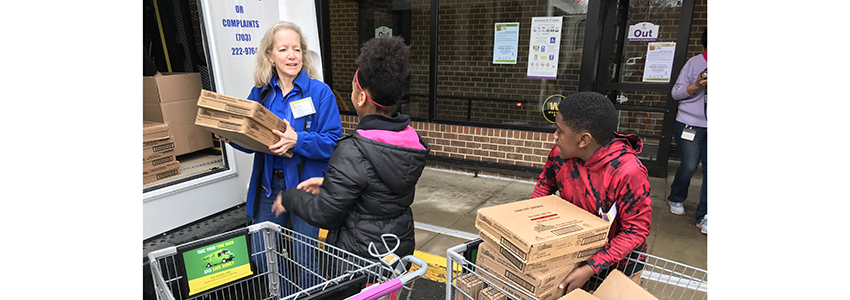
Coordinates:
[632,32]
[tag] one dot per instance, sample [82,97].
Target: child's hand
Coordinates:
[277,206]
[311,185]
[577,278]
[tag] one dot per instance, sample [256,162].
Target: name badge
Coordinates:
[302,107]
[688,134]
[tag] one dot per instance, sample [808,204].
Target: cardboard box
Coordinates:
[156,142]
[242,108]
[152,131]
[243,131]
[158,149]
[578,294]
[171,87]
[172,99]
[491,293]
[618,286]
[169,170]
[161,167]
[148,166]
[471,284]
[508,258]
[539,229]
[541,284]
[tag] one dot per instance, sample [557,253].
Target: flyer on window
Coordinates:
[505,43]
[659,62]
[544,46]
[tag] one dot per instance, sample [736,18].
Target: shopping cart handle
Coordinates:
[379,291]
[413,275]
[395,284]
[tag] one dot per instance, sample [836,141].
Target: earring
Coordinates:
[273,65]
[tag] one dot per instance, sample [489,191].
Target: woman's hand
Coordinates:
[277,206]
[311,185]
[221,138]
[287,140]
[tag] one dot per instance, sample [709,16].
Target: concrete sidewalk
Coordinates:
[450,200]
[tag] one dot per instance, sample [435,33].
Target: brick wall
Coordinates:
[466,66]
[466,69]
[511,147]
[344,48]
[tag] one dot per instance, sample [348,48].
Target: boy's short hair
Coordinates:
[591,112]
[705,39]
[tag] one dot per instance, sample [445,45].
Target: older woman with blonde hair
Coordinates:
[284,82]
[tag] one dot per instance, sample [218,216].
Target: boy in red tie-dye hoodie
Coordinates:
[597,169]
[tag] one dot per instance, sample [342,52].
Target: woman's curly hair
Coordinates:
[384,64]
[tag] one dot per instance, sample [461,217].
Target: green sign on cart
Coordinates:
[215,264]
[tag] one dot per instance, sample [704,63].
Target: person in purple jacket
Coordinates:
[691,134]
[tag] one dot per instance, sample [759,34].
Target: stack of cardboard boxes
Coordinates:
[158,159]
[246,123]
[171,99]
[534,244]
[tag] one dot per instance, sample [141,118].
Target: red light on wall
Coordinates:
[519,104]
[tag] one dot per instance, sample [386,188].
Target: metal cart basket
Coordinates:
[663,278]
[289,265]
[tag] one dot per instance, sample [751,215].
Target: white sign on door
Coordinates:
[643,32]
[544,47]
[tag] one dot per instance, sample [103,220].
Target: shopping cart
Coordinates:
[323,272]
[663,278]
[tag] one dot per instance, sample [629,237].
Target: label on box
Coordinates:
[159,149]
[160,168]
[172,170]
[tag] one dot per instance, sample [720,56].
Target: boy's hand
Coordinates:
[277,207]
[311,185]
[577,278]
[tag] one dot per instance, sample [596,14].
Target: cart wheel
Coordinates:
[208,265]
[224,260]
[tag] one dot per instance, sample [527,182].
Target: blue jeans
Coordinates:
[302,254]
[691,153]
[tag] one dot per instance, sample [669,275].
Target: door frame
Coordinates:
[601,40]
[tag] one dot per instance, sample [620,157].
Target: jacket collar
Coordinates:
[302,81]
[397,122]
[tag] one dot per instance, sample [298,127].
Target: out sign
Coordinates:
[643,32]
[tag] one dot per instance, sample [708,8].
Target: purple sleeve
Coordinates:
[686,77]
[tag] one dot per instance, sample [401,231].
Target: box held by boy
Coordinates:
[508,258]
[543,285]
[542,228]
